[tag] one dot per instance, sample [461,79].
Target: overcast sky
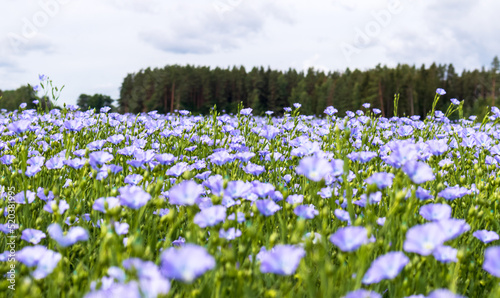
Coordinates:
[90,46]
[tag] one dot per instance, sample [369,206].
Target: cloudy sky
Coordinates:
[90,46]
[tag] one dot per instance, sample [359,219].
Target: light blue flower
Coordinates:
[186,263]
[282,259]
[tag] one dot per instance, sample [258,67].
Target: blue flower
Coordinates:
[133,179]
[33,236]
[73,125]
[342,214]
[362,293]
[19,126]
[362,157]
[239,217]
[246,112]
[254,169]
[337,167]
[74,235]
[330,111]
[129,290]
[100,204]
[437,147]
[440,91]
[31,255]
[210,216]
[115,169]
[314,168]
[36,161]
[152,283]
[237,189]
[127,151]
[374,198]
[178,169]
[402,152]
[269,132]
[455,101]
[54,163]
[41,194]
[262,189]
[133,196]
[244,156]
[96,145]
[32,170]
[443,293]
[452,227]
[179,242]
[382,179]
[215,184]
[486,236]
[121,228]
[452,193]
[387,266]
[445,254]
[75,163]
[185,193]
[492,260]
[99,158]
[116,139]
[295,199]
[186,263]
[423,239]
[104,109]
[419,172]
[7,159]
[423,194]
[267,207]
[221,157]
[44,259]
[51,205]
[282,259]
[434,212]
[20,198]
[306,211]
[349,238]
[230,234]
[46,264]
[405,130]
[101,175]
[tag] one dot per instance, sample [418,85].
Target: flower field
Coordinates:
[99,204]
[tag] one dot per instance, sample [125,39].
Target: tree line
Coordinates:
[198,89]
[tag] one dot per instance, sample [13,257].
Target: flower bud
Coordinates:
[54,207]
[272,239]
[114,191]
[55,190]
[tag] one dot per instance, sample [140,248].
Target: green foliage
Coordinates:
[11,99]
[96,101]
